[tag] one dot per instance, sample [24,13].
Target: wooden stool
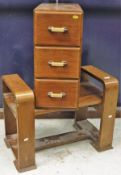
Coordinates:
[19,112]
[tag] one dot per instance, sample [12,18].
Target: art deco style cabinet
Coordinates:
[60,83]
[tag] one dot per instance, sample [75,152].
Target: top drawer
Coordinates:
[58,28]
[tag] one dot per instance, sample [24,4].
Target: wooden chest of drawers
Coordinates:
[57,54]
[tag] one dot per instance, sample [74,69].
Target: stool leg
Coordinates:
[107,118]
[26,136]
[81,114]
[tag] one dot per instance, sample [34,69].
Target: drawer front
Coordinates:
[57,62]
[56,93]
[58,29]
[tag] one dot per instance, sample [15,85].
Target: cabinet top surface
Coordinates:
[61,7]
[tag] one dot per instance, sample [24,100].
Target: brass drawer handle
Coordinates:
[56,95]
[57,29]
[57,64]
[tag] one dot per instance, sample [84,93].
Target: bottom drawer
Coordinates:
[56,93]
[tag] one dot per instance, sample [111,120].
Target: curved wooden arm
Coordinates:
[109,104]
[14,84]
[100,75]
[18,101]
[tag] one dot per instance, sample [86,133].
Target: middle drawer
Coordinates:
[57,62]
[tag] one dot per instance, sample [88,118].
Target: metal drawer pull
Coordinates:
[57,64]
[57,29]
[56,95]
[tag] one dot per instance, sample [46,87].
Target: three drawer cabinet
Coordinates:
[57,54]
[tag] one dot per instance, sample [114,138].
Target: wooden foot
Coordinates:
[99,149]
[21,170]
